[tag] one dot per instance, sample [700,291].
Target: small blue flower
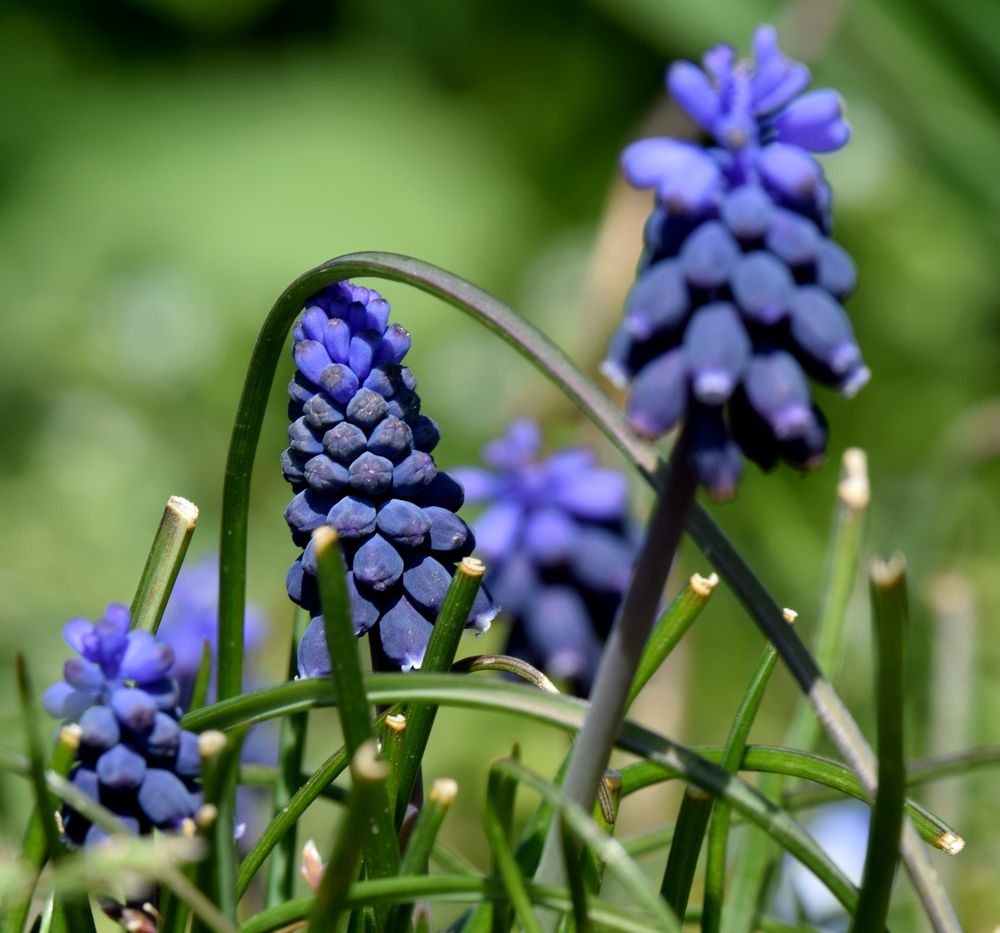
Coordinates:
[556,537]
[739,289]
[191,618]
[134,757]
[359,459]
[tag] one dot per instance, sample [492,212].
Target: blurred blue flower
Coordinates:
[134,757]
[192,617]
[739,289]
[841,829]
[558,548]
[359,460]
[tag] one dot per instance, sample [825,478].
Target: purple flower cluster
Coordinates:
[359,459]
[558,544]
[134,758]
[739,289]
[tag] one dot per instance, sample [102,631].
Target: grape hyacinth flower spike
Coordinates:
[558,542]
[134,757]
[359,459]
[739,289]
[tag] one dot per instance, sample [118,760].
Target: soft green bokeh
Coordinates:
[166,167]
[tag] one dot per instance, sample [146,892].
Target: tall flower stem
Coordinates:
[623,651]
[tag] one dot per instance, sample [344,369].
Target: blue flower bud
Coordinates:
[448,533]
[717,348]
[164,799]
[188,761]
[425,433]
[305,513]
[146,658]
[324,475]
[371,475]
[747,211]
[162,740]
[835,270]
[100,728]
[121,768]
[377,564]
[708,255]
[367,409]
[762,287]
[353,517]
[792,238]
[391,438]
[302,440]
[340,382]
[716,459]
[443,491]
[403,523]
[658,301]
[361,353]
[345,442]
[426,584]
[414,473]
[404,633]
[776,388]
[823,333]
[321,412]
[134,708]
[659,394]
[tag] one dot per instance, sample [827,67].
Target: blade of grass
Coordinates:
[732,755]
[202,680]
[166,555]
[671,627]
[439,656]
[34,847]
[889,609]
[381,848]
[368,800]
[288,779]
[421,844]
[71,909]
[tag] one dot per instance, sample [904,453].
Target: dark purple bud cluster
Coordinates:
[557,540]
[134,757]
[359,459]
[739,290]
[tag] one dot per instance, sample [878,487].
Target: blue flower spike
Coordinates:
[739,291]
[359,459]
[558,542]
[133,757]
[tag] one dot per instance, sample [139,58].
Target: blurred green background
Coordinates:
[167,166]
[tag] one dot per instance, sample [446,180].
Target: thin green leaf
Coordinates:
[166,555]
[496,823]
[439,656]
[380,844]
[732,755]
[685,848]
[421,843]
[203,678]
[288,779]
[368,801]
[628,873]
[889,609]
[670,628]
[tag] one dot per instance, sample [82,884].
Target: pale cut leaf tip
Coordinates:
[703,586]
[396,723]
[184,509]
[888,573]
[472,567]
[211,742]
[854,489]
[70,735]
[443,791]
[950,842]
[324,538]
[790,615]
[206,816]
[366,765]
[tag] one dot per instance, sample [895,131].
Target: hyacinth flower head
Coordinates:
[738,295]
[359,460]
[556,537]
[134,758]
